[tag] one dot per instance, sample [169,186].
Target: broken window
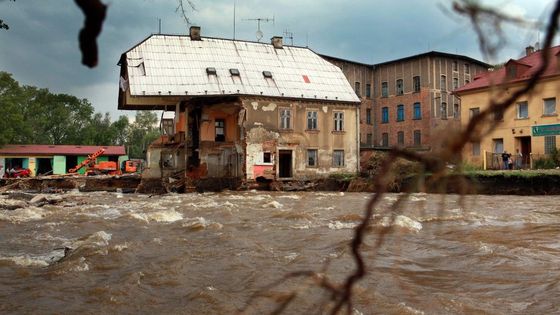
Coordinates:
[167,159]
[312,120]
[400,87]
[384,89]
[312,157]
[220,126]
[338,158]
[267,157]
[285,118]
[338,121]
[416,83]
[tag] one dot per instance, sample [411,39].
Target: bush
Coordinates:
[401,170]
[544,163]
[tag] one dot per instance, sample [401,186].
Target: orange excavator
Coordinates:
[105,167]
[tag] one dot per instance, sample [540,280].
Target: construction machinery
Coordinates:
[90,159]
[106,167]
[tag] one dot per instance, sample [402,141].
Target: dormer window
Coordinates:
[267,74]
[234,71]
[211,71]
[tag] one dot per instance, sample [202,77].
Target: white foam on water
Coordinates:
[121,247]
[22,214]
[414,198]
[273,204]
[402,221]
[410,310]
[295,197]
[199,223]
[291,256]
[26,260]
[80,266]
[337,225]
[166,216]
[390,198]
[99,239]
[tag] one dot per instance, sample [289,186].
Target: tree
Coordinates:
[142,133]
[10,95]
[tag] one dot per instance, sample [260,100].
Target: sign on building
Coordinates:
[546,130]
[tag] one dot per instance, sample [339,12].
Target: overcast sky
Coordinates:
[41,46]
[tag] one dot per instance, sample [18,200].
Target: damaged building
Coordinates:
[241,109]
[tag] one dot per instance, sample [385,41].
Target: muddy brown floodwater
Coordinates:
[208,253]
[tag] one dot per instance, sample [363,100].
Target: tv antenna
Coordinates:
[289,35]
[259,33]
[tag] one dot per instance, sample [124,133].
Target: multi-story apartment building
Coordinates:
[527,129]
[407,101]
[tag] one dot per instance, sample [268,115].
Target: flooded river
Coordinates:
[209,253]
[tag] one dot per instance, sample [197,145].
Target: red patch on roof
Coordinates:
[45,149]
[306,79]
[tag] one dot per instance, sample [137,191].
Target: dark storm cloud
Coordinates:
[41,47]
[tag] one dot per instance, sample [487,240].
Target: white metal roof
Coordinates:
[175,65]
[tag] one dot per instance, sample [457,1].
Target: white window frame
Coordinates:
[338,120]
[338,158]
[312,120]
[316,157]
[285,118]
[518,107]
[547,111]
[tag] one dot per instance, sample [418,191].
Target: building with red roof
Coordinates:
[528,130]
[44,159]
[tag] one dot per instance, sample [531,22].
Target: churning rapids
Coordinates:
[209,253]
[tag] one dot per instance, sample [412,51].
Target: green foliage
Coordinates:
[343,176]
[37,116]
[548,162]
[400,171]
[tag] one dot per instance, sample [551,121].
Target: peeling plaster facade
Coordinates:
[243,110]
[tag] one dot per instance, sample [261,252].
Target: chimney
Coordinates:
[194,32]
[277,42]
[529,50]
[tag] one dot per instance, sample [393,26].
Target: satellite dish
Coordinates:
[259,35]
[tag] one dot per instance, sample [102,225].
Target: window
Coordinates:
[369,139]
[384,89]
[549,106]
[400,88]
[400,112]
[338,158]
[416,83]
[338,121]
[455,83]
[312,120]
[443,110]
[467,81]
[499,115]
[417,138]
[455,66]
[357,88]
[368,116]
[456,111]
[285,118]
[385,139]
[368,90]
[312,157]
[476,149]
[211,71]
[417,111]
[522,110]
[385,115]
[400,138]
[549,144]
[498,145]
[443,83]
[467,68]
[220,125]
[267,157]
[234,71]
[267,74]
[474,112]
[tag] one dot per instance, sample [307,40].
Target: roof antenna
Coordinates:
[159,26]
[289,35]
[259,33]
[234,5]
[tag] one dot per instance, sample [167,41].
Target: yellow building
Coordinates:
[529,128]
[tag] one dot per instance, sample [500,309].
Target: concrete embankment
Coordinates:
[125,183]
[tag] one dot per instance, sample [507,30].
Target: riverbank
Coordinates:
[516,182]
